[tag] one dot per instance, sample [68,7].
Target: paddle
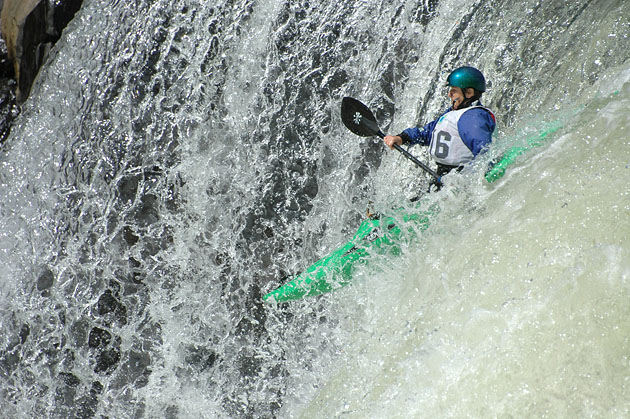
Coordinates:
[361,121]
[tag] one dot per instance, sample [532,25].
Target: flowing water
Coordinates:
[178,159]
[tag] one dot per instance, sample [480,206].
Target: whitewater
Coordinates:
[176,160]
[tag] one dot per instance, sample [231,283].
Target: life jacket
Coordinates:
[447,146]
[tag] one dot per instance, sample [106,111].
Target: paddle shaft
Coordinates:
[359,119]
[413,158]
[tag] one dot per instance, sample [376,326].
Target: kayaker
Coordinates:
[462,132]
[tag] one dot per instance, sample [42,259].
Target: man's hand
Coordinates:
[390,140]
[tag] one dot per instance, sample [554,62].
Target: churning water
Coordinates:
[178,159]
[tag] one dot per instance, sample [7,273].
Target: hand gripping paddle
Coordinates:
[361,121]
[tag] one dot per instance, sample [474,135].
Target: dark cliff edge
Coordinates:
[29,30]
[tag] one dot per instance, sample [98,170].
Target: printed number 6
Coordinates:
[442,143]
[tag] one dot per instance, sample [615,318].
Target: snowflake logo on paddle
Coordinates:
[357,118]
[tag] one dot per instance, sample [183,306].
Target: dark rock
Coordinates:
[69,379]
[88,404]
[9,109]
[30,28]
[45,280]
[130,236]
[108,304]
[24,31]
[99,338]
[6,66]
[62,13]
[106,350]
[107,360]
[25,332]
[137,367]
[148,213]
[128,188]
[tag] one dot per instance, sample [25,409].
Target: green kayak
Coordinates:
[375,236]
[383,235]
[497,170]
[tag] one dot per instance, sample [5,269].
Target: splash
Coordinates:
[176,160]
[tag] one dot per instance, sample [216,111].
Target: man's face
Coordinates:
[457,96]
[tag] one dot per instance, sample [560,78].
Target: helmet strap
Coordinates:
[467,102]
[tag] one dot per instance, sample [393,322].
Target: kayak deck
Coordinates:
[374,236]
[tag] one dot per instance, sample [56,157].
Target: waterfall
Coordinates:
[178,159]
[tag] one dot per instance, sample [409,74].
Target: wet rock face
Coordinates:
[30,28]
[8,106]
[24,31]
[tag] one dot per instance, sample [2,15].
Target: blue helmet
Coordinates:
[465,77]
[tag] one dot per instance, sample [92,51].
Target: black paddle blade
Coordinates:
[358,118]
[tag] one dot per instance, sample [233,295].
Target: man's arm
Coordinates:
[475,128]
[417,135]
